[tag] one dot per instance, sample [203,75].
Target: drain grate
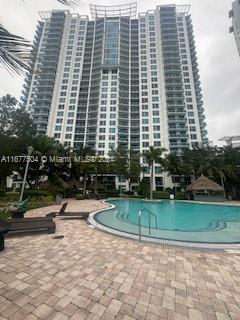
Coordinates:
[58,237]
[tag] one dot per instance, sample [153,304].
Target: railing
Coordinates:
[149,222]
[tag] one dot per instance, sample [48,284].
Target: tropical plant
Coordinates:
[15,50]
[152,156]
[82,164]
[127,164]
[173,166]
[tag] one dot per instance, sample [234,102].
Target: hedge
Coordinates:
[160,195]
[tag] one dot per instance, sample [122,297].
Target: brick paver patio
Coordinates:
[89,274]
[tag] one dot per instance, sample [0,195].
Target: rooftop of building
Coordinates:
[123,10]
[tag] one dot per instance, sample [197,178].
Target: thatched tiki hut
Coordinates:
[204,189]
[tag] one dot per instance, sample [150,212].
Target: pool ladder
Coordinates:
[150,213]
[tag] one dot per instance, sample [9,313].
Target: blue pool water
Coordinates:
[175,220]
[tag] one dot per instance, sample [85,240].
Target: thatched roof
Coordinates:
[204,183]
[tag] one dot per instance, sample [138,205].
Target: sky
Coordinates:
[219,62]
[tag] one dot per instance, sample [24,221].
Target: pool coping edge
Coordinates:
[194,245]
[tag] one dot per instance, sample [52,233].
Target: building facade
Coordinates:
[235,28]
[118,80]
[231,141]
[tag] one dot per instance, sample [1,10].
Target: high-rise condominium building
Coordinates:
[235,28]
[231,141]
[117,80]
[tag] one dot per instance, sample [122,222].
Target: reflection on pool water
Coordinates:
[181,221]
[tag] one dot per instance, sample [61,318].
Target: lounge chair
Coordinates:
[4,228]
[61,211]
[25,225]
[71,215]
[75,215]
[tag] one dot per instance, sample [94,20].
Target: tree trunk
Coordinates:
[36,179]
[151,181]
[85,182]
[174,186]
[129,184]
[95,183]
[222,182]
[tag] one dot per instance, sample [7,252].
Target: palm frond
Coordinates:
[14,51]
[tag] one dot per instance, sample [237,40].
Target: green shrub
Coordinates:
[169,190]
[68,193]
[160,195]
[4,214]
[39,204]
[11,196]
[2,193]
[180,196]
[81,196]
[129,193]
[144,189]
[111,193]
[36,194]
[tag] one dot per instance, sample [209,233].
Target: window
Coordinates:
[158,170]
[157,144]
[156,135]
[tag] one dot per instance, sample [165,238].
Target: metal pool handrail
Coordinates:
[149,226]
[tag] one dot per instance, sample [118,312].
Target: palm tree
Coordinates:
[174,167]
[15,50]
[80,165]
[153,156]
[218,168]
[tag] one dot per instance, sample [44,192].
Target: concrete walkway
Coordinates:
[89,274]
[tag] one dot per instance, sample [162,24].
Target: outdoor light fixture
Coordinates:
[30,151]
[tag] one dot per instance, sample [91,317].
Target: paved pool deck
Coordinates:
[89,274]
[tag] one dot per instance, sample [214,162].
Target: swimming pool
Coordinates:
[175,220]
